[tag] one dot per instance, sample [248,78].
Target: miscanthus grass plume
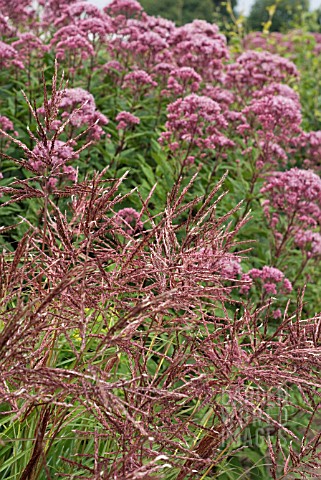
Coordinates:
[111,316]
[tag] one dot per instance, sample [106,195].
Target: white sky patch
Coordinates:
[99,3]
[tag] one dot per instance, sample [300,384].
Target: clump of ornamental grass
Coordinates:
[141,337]
[124,352]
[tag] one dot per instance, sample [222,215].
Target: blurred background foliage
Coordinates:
[284,14]
[185,11]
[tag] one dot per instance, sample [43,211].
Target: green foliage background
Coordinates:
[286,14]
[185,11]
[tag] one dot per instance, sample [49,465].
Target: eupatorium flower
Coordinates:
[276,111]
[51,159]
[137,80]
[277,119]
[6,30]
[253,70]
[213,261]
[126,120]
[89,19]
[317,47]
[95,28]
[310,145]
[71,40]
[125,7]
[309,242]
[223,97]
[183,80]
[296,194]
[78,98]
[79,107]
[112,66]
[274,42]
[78,10]
[278,89]
[270,279]
[129,220]
[163,70]
[200,45]
[140,39]
[52,8]
[228,265]
[6,125]
[164,27]
[145,41]
[197,121]
[9,56]
[28,44]
[19,11]
[83,107]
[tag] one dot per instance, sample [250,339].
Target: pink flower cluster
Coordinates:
[150,41]
[112,66]
[143,40]
[183,80]
[211,261]
[126,119]
[54,12]
[129,220]
[278,117]
[28,44]
[90,21]
[80,103]
[278,89]
[230,267]
[19,11]
[274,42]
[310,144]
[79,107]
[70,41]
[6,125]
[271,279]
[164,27]
[138,80]
[296,194]
[317,46]
[52,159]
[113,69]
[9,56]
[309,242]
[223,97]
[95,29]
[284,44]
[195,121]
[76,11]
[6,30]
[129,8]
[253,70]
[273,119]
[200,45]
